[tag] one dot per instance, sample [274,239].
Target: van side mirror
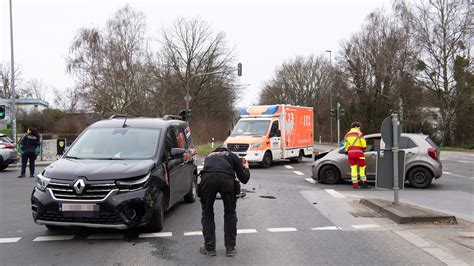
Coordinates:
[177,152]
[278,133]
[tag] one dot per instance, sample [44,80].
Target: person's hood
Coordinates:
[97,170]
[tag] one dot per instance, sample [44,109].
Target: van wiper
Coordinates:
[110,158]
[72,157]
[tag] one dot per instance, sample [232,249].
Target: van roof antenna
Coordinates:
[125,122]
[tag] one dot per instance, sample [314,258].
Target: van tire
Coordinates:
[267,160]
[298,159]
[420,177]
[192,194]
[157,217]
[329,174]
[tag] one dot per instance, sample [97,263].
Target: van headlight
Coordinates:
[224,145]
[133,183]
[42,182]
[255,145]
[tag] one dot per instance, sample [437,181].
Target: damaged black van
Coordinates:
[120,173]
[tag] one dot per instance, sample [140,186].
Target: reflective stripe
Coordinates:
[359,151]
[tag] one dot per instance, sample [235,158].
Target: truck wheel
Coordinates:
[329,174]
[298,159]
[156,221]
[192,194]
[267,160]
[420,177]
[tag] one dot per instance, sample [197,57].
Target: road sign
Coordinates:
[60,146]
[384,175]
[387,132]
[188,98]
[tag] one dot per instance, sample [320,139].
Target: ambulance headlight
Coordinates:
[224,145]
[255,145]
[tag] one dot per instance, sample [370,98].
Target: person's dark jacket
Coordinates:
[228,163]
[30,144]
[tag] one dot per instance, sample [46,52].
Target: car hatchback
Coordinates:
[8,153]
[120,173]
[422,161]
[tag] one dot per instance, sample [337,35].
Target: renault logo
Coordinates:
[79,186]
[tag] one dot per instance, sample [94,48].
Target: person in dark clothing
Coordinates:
[29,149]
[218,175]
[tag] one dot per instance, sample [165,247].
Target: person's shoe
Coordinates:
[230,252]
[207,252]
[364,185]
[20,176]
[31,176]
[355,186]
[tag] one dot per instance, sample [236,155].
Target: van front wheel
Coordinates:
[267,160]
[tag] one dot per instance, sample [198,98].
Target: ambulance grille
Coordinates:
[238,147]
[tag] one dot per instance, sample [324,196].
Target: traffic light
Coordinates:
[333,112]
[342,112]
[189,114]
[2,111]
[239,69]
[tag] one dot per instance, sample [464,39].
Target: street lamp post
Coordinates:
[330,94]
[13,78]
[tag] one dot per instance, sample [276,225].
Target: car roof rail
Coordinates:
[173,117]
[114,116]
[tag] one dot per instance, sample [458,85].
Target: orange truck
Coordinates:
[266,133]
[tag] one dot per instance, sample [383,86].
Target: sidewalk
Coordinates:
[37,163]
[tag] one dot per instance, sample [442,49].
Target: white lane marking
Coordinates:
[310,180]
[412,238]
[200,167]
[105,236]
[193,233]
[444,256]
[246,231]
[449,173]
[289,166]
[335,194]
[298,172]
[282,229]
[9,240]
[53,238]
[326,228]
[149,235]
[365,226]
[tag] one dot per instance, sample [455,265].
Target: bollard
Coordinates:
[212,143]
[319,139]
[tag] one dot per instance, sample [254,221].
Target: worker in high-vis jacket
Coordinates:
[354,145]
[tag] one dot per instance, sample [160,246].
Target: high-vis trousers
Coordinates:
[357,159]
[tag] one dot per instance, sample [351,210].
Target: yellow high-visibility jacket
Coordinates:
[354,141]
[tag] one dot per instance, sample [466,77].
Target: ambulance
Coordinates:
[268,133]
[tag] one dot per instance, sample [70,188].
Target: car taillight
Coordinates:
[7,146]
[433,153]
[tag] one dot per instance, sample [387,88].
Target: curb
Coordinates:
[406,213]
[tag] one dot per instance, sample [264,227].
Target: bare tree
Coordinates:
[5,81]
[68,100]
[439,29]
[110,64]
[35,88]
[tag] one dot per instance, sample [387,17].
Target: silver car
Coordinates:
[8,154]
[422,162]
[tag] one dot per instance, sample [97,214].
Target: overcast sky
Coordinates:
[264,33]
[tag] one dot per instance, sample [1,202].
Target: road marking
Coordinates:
[444,256]
[246,231]
[335,194]
[412,238]
[365,226]
[9,240]
[298,172]
[289,166]
[326,228]
[53,238]
[282,229]
[105,236]
[200,167]
[149,235]
[310,180]
[449,173]
[193,233]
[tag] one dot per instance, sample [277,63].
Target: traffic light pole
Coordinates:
[13,104]
[338,106]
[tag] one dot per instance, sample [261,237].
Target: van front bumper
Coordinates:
[253,156]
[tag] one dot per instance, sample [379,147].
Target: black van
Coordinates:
[120,173]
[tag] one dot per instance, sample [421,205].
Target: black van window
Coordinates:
[274,129]
[170,142]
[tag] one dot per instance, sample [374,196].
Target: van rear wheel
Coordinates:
[267,160]
[298,159]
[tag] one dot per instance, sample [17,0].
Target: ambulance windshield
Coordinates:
[251,127]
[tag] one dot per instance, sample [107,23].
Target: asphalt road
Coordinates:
[284,219]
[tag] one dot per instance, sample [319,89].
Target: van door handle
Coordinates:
[410,153]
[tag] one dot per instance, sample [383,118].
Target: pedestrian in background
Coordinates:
[354,145]
[218,175]
[29,148]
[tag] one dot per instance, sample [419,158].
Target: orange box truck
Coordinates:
[267,133]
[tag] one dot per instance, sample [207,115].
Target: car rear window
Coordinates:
[432,143]
[4,139]
[406,143]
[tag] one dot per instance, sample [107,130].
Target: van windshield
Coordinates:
[115,144]
[251,127]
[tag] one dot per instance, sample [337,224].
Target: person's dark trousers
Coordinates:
[211,184]
[25,157]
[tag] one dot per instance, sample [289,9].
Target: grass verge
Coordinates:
[204,150]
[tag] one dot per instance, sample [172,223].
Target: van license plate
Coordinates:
[71,207]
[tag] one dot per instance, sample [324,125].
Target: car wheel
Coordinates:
[329,174]
[267,160]
[192,194]
[298,159]
[157,217]
[51,227]
[420,177]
